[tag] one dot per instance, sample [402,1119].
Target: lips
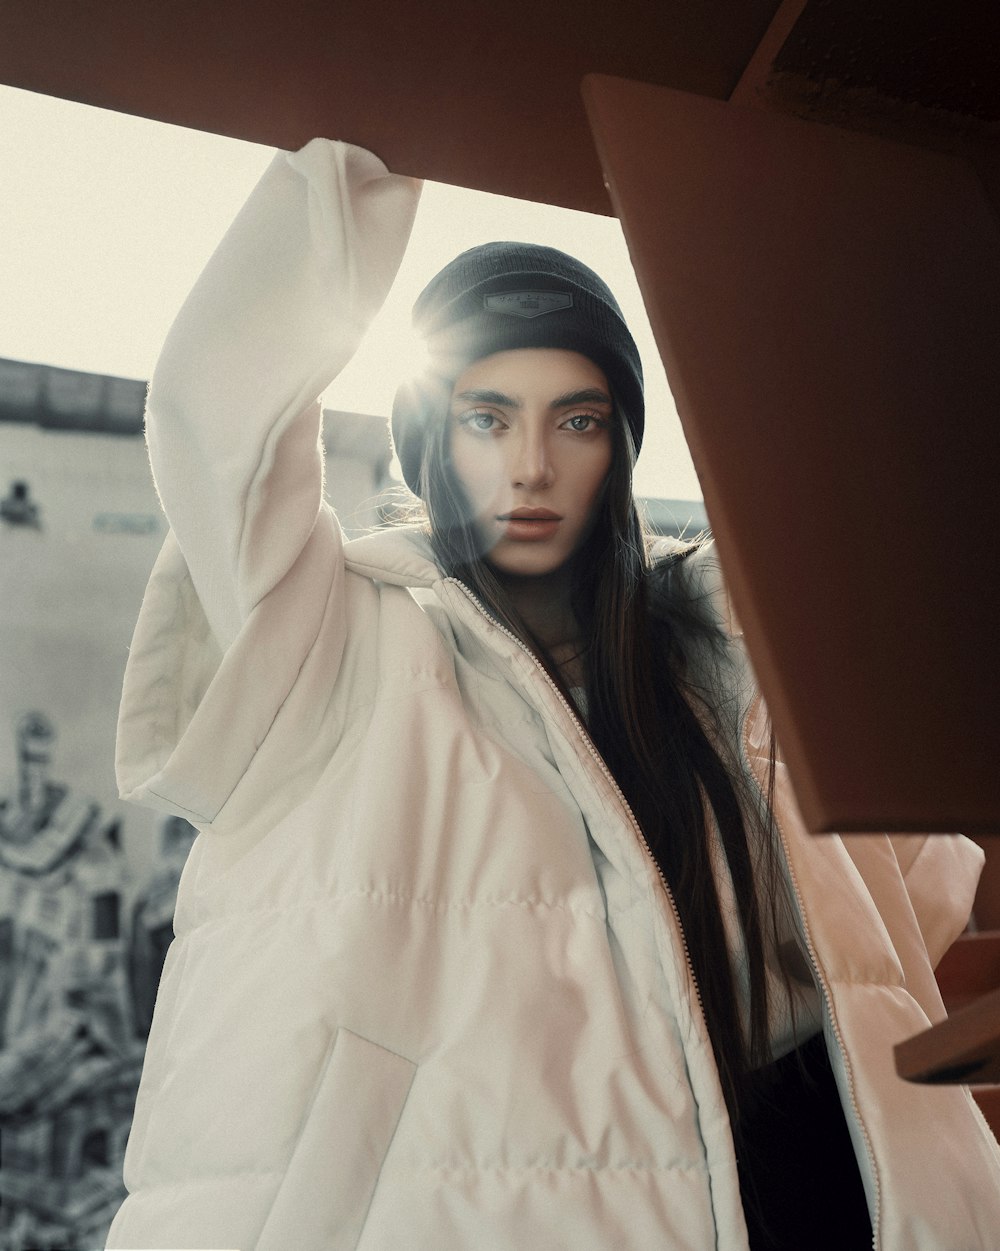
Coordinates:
[530,514]
[529,525]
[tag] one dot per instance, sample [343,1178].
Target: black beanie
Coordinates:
[499,297]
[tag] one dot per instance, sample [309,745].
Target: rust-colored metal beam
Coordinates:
[480,95]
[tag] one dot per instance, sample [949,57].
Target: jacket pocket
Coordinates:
[323,1199]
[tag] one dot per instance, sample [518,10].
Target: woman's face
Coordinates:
[530,438]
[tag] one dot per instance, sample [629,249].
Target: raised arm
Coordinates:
[232,423]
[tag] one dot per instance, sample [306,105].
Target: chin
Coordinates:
[525,564]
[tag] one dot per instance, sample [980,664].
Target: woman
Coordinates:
[489,938]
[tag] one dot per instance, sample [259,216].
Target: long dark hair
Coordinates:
[651,714]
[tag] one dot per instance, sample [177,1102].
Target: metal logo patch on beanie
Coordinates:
[528,303]
[501,297]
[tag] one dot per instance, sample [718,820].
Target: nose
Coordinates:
[531,462]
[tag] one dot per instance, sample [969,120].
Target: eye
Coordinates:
[583,423]
[480,421]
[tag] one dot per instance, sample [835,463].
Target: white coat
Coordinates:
[427,990]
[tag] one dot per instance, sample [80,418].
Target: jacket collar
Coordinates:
[400,555]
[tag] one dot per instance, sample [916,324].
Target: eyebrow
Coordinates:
[587,395]
[484,396]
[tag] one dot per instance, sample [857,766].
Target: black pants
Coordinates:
[799,1179]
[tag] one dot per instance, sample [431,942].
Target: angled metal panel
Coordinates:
[826,307]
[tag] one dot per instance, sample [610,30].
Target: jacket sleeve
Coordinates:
[941,872]
[252,567]
[232,421]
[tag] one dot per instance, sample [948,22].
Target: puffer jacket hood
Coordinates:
[400,556]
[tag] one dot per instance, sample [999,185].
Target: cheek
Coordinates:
[594,481]
[478,468]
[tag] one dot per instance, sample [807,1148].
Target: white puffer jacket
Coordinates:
[427,991]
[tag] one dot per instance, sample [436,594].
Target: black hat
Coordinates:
[502,296]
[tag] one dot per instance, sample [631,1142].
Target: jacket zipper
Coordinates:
[810,948]
[600,762]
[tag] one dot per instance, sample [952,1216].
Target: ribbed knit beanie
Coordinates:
[499,297]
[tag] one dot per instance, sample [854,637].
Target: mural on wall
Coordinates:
[87,883]
[80,958]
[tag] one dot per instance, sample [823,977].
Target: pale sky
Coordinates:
[106,221]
